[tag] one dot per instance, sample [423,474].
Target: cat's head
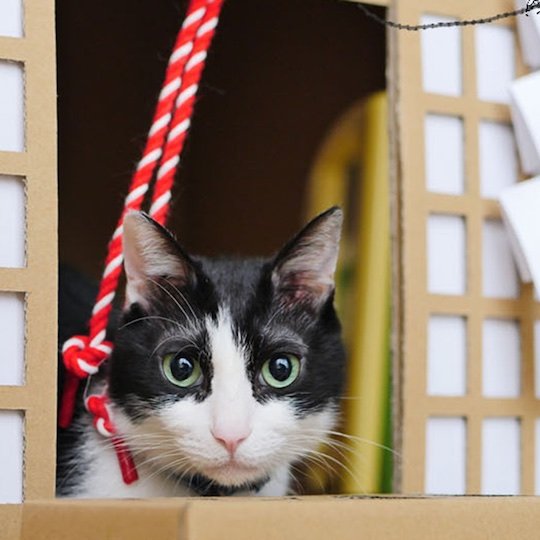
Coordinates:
[227,369]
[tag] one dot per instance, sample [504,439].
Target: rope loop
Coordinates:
[81,358]
[96,405]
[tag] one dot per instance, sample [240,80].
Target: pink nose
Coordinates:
[230,440]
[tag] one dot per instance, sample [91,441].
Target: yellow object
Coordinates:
[352,171]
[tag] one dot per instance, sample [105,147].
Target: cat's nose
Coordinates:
[230,441]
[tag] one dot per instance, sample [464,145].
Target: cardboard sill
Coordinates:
[340,517]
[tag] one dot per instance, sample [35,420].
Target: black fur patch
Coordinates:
[206,487]
[75,301]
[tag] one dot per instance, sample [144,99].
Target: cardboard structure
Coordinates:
[450,87]
[28,283]
[345,518]
[456,291]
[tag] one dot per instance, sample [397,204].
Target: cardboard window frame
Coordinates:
[412,204]
[36,398]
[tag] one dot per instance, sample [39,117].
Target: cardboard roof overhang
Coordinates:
[292,518]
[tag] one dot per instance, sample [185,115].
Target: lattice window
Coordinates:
[28,257]
[468,408]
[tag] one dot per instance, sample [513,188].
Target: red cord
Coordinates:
[84,354]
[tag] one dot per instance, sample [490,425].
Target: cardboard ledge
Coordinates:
[293,518]
[10,521]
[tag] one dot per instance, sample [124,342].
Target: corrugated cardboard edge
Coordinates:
[292,518]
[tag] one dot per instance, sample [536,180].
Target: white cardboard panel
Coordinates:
[11,456]
[499,272]
[445,156]
[446,444]
[501,358]
[11,107]
[495,62]
[447,355]
[446,254]
[12,335]
[12,222]
[11,18]
[519,206]
[525,108]
[529,34]
[498,158]
[441,58]
[501,463]
[537,363]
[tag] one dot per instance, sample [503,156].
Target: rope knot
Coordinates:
[83,358]
[96,405]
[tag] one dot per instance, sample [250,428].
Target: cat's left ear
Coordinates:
[303,270]
[150,253]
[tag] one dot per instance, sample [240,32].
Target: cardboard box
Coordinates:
[317,518]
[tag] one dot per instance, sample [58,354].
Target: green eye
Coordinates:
[181,370]
[281,370]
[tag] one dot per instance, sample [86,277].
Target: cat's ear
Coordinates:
[150,253]
[303,270]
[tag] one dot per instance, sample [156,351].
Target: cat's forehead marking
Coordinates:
[228,356]
[231,399]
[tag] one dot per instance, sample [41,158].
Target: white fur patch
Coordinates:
[232,399]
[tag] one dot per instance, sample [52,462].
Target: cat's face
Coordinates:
[227,369]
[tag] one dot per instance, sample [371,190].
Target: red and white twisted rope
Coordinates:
[181,120]
[84,354]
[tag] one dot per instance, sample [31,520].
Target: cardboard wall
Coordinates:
[28,283]
[455,274]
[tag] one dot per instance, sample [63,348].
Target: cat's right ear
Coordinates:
[151,253]
[303,271]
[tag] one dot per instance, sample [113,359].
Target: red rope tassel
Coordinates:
[125,460]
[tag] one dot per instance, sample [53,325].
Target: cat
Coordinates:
[225,372]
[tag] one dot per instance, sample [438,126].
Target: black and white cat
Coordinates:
[224,373]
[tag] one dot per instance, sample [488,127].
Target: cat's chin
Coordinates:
[233,473]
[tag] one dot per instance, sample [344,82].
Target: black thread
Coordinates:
[531,5]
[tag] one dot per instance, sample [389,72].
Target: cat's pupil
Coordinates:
[280,368]
[182,368]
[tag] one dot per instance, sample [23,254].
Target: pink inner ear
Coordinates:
[304,287]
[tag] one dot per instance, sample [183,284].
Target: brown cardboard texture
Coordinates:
[413,206]
[291,518]
[10,521]
[37,281]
